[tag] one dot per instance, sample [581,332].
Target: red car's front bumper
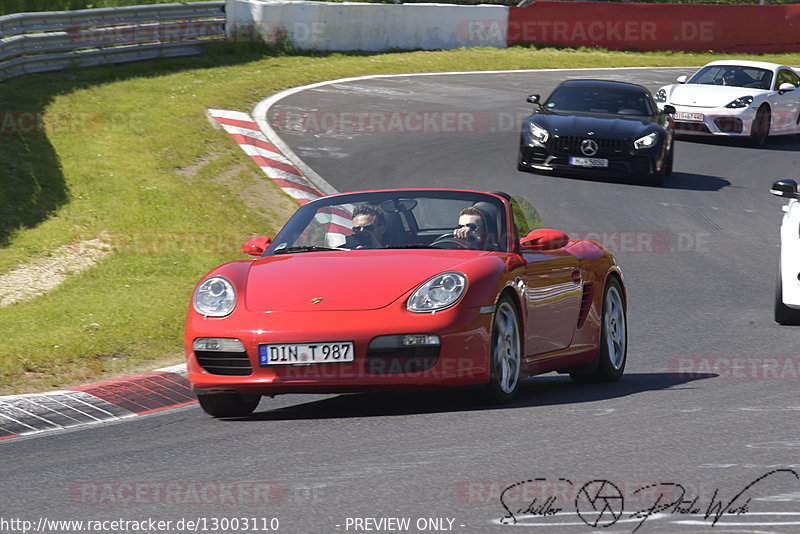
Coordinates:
[462,357]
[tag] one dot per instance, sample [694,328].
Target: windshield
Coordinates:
[733,75]
[600,99]
[396,219]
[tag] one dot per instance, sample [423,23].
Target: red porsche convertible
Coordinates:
[405,289]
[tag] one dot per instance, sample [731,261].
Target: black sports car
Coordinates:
[598,127]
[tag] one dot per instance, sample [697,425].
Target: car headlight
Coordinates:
[646,142]
[741,102]
[539,135]
[215,297]
[661,96]
[438,293]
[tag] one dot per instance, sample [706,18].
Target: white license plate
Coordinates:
[686,116]
[305,353]
[588,162]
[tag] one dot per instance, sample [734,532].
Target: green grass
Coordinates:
[135,158]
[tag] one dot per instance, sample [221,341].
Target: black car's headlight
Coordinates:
[661,96]
[215,297]
[438,293]
[646,141]
[539,135]
[741,102]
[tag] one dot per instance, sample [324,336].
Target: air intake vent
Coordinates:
[586,302]
[224,363]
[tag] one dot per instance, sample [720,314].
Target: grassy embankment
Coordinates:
[128,152]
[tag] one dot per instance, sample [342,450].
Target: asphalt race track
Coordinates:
[700,435]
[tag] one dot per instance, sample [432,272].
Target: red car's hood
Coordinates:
[347,280]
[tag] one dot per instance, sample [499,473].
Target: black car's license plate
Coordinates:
[588,162]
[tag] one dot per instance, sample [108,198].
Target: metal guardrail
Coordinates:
[48,41]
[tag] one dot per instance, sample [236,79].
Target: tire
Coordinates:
[229,404]
[670,159]
[657,178]
[505,359]
[612,355]
[783,313]
[759,131]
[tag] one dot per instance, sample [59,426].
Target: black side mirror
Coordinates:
[668,108]
[533,99]
[786,188]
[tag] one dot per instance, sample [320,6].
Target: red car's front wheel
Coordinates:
[229,404]
[506,356]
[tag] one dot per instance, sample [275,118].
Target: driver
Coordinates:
[732,77]
[471,227]
[369,228]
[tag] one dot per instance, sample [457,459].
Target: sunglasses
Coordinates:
[471,226]
[365,228]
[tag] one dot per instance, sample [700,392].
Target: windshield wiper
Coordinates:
[312,248]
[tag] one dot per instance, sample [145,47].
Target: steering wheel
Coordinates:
[449,241]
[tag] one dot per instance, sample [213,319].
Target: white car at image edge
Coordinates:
[736,98]
[787,286]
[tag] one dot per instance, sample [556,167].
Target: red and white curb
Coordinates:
[250,137]
[265,154]
[111,400]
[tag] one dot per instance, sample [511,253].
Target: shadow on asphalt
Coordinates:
[677,180]
[695,182]
[784,143]
[536,391]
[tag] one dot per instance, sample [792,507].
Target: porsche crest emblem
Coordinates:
[316,300]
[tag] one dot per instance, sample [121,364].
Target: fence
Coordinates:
[47,41]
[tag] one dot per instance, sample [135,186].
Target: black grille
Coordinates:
[224,363]
[729,124]
[691,127]
[402,360]
[570,145]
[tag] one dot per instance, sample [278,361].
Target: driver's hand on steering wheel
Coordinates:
[463,231]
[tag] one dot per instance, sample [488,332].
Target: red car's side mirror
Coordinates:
[256,246]
[543,239]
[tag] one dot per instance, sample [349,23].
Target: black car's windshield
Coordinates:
[396,219]
[734,75]
[600,99]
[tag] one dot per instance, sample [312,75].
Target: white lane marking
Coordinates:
[178,369]
[522,518]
